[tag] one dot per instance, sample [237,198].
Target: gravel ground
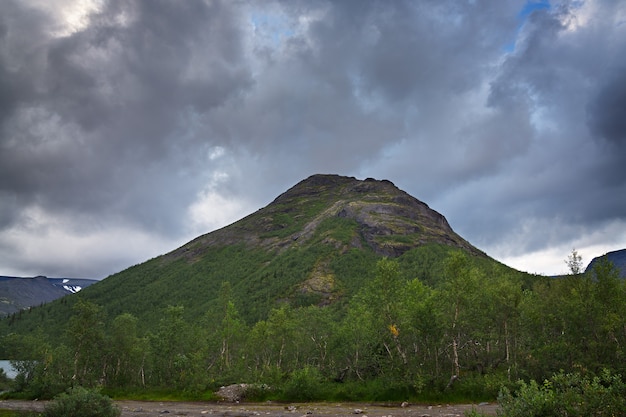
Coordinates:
[199,409]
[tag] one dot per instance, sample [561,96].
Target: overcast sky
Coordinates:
[127,128]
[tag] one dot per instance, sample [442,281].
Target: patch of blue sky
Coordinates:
[529,7]
[272,27]
[532,6]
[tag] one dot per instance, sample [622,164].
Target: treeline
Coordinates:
[473,331]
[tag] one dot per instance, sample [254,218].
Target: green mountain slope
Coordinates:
[315,244]
[339,289]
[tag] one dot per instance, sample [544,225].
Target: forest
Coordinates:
[472,334]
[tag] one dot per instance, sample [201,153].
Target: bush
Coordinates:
[474,413]
[373,390]
[529,400]
[5,381]
[80,402]
[567,395]
[305,384]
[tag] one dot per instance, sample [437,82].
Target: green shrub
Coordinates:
[373,390]
[530,400]
[566,395]
[80,402]
[258,393]
[304,384]
[474,413]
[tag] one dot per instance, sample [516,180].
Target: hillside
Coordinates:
[315,244]
[339,288]
[618,258]
[20,293]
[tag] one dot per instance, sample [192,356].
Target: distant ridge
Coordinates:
[618,258]
[18,293]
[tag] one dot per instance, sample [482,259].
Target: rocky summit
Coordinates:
[385,218]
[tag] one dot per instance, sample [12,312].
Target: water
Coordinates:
[8,369]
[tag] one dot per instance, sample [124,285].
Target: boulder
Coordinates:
[232,393]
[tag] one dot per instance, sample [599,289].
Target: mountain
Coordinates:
[315,244]
[301,294]
[618,258]
[385,219]
[20,293]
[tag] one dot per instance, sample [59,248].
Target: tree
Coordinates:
[372,326]
[232,334]
[505,294]
[574,262]
[86,338]
[575,323]
[314,330]
[280,329]
[224,333]
[271,346]
[386,285]
[356,342]
[171,347]
[43,371]
[610,298]
[418,332]
[127,352]
[459,292]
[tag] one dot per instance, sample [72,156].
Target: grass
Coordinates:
[316,389]
[18,413]
[164,394]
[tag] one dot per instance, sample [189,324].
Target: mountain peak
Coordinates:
[319,184]
[382,217]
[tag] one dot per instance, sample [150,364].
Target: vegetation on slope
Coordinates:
[300,297]
[466,335]
[326,230]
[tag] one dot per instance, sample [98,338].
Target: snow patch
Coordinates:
[72,288]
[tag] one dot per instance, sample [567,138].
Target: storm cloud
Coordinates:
[130,127]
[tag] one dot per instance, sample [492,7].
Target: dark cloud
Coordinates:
[607,111]
[104,113]
[149,122]
[550,79]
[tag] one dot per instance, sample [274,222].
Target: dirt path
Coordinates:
[198,409]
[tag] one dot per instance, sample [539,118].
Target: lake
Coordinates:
[8,369]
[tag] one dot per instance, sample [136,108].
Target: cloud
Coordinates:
[157,121]
[607,109]
[62,247]
[102,126]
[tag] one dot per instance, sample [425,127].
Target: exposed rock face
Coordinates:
[388,220]
[321,282]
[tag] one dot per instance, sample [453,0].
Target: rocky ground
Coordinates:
[199,409]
